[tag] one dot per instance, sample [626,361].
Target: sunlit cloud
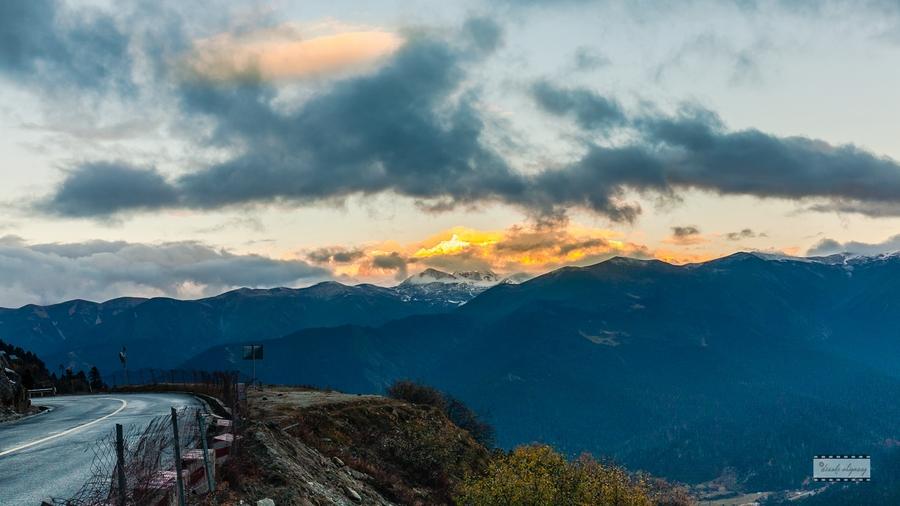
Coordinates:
[288,52]
[518,249]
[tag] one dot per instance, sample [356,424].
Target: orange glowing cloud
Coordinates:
[282,53]
[517,249]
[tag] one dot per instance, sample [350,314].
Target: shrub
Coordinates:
[454,409]
[468,420]
[416,393]
[539,476]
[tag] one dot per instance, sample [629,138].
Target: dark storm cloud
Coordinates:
[101,188]
[99,270]
[335,254]
[414,128]
[401,129]
[391,262]
[830,246]
[693,149]
[47,45]
[685,231]
[395,130]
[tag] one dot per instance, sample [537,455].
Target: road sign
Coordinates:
[253,352]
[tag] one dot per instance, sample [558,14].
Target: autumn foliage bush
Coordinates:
[539,476]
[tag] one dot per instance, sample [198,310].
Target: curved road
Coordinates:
[50,454]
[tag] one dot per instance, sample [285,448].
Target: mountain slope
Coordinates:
[750,362]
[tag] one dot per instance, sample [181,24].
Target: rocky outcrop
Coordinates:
[13,397]
[291,472]
[310,447]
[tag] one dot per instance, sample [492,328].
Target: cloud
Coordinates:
[693,149]
[685,236]
[484,33]
[587,58]
[370,134]
[830,246]
[391,262]
[100,270]
[414,127]
[282,52]
[105,188]
[335,254]
[685,231]
[700,51]
[746,233]
[521,248]
[44,44]
[404,129]
[589,110]
[876,209]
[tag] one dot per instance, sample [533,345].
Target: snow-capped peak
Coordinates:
[427,276]
[430,276]
[486,277]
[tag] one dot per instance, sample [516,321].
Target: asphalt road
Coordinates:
[50,454]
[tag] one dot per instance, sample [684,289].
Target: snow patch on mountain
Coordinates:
[455,288]
[478,278]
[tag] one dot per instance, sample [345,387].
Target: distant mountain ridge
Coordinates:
[752,362]
[161,332]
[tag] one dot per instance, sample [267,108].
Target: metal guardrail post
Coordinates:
[178,478]
[210,479]
[120,464]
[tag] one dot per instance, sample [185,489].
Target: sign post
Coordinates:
[123,357]
[253,353]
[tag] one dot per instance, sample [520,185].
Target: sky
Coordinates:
[187,148]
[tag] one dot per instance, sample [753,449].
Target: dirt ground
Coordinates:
[311,447]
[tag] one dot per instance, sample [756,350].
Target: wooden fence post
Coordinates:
[210,479]
[175,440]
[120,464]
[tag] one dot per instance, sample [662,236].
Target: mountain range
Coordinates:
[162,332]
[747,365]
[743,366]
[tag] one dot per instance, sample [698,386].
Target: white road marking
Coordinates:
[67,431]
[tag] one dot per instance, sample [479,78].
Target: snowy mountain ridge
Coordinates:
[478,278]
